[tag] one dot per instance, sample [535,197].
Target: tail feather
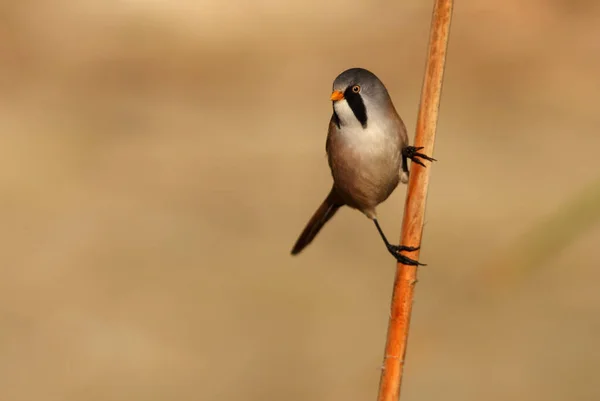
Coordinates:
[330,205]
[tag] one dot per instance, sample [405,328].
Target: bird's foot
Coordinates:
[413,154]
[405,260]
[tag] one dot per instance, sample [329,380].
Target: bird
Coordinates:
[367,151]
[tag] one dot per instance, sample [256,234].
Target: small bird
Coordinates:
[367,150]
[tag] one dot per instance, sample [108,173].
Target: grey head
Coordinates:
[359,95]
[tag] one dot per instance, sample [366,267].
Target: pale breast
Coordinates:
[365,163]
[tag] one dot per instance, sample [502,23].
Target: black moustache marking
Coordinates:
[357,105]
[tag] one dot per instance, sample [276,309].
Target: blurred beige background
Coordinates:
[158,160]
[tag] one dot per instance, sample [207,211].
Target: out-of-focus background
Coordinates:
[158,160]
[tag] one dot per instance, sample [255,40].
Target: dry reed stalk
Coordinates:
[414,209]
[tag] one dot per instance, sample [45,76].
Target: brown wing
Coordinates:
[400,127]
[330,132]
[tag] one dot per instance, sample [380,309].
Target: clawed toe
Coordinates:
[396,249]
[413,154]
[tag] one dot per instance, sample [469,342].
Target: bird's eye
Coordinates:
[356,88]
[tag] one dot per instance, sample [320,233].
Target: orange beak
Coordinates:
[337,95]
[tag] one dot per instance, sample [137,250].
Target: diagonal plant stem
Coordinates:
[414,209]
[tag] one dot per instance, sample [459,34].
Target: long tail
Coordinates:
[325,212]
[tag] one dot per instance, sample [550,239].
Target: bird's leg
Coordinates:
[395,249]
[412,153]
